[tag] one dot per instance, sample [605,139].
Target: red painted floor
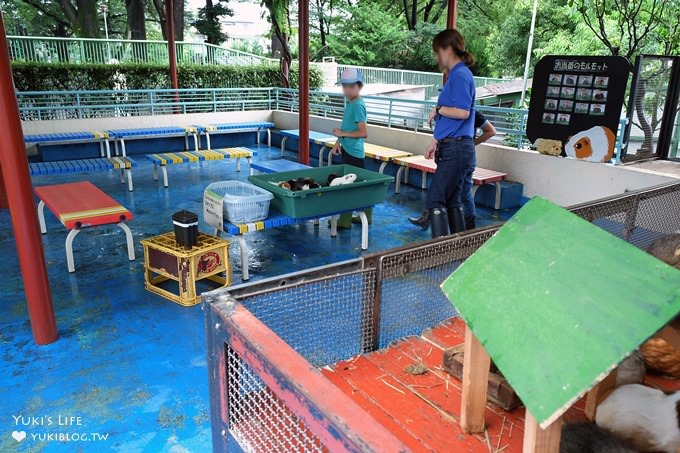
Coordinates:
[423,410]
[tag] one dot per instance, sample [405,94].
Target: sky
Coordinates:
[248,17]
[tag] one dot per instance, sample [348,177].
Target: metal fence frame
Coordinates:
[638,217]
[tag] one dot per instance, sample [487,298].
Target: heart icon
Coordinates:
[19,435]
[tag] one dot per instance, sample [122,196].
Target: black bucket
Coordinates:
[186,228]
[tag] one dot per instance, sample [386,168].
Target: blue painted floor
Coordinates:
[129,371]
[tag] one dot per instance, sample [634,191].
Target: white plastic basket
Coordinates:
[242,202]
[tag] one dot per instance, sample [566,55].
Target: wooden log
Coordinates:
[538,440]
[476,365]
[499,390]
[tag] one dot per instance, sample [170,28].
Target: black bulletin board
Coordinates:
[572,94]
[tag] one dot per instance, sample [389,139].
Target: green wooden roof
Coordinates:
[558,302]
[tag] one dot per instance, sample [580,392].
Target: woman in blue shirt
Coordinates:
[452,147]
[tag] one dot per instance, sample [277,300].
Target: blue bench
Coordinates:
[275,220]
[233,128]
[69,138]
[318,138]
[276,166]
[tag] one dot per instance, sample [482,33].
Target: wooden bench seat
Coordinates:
[162,160]
[480,177]
[81,205]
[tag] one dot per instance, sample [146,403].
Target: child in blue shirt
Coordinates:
[352,131]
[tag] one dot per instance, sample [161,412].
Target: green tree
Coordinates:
[209,21]
[279,16]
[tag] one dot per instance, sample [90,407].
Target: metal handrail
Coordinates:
[102,51]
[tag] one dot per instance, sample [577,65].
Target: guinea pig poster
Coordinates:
[576,104]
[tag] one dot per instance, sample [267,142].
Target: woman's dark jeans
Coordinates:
[456,159]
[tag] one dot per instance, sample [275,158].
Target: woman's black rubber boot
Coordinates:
[440,222]
[423,221]
[456,220]
[470,223]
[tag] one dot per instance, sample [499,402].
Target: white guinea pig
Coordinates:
[595,145]
[647,418]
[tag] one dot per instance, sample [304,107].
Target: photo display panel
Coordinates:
[576,104]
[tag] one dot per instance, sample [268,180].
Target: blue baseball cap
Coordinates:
[351,75]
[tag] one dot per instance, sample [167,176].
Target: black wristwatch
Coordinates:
[437,108]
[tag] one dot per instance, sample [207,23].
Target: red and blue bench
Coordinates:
[80,205]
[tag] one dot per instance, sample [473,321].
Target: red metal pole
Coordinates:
[170,29]
[303,88]
[452,14]
[22,206]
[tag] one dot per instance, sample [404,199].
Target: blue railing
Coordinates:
[386,111]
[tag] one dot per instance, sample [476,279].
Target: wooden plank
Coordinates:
[538,440]
[546,271]
[476,365]
[598,393]
[368,403]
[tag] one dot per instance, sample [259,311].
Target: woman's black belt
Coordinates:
[453,139]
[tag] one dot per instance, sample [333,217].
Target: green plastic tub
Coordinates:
[370,188]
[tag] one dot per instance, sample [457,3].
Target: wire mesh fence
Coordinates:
[326,319]
[258,420]
[331,317]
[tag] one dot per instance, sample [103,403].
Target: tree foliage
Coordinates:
[209,21]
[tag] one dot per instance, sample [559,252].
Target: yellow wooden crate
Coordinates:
[165,260]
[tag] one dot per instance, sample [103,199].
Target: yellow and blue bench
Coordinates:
[381,154]
[275,220]
[119,136]
[318,138]
[162,160]
[103,163]
[233,128]
[480,176]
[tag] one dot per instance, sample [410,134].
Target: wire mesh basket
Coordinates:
[242,202]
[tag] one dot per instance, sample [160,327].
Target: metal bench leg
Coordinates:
[207,140]
[122,147]
[238,164]
[195,141]
[283,145]
[321,156]
[69,250]
[364,230]
[330,156]
[250,166]
[128,171]
[498,195]
[122,175]
[257,139]
[245,273]
[397,183]
[269,137]
[186,141]
[334,226]
[155,172]
[423,180]
[164,170]
[128,239]
[107,146]
[115,147]
[381,170]
[41,217]
[101,148]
